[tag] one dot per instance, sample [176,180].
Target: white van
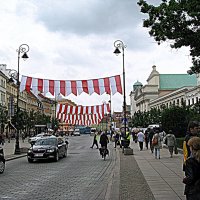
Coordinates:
[153,126]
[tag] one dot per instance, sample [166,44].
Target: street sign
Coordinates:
[124,120]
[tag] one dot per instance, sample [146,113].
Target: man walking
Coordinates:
[192,131]
[140,139]
[95,142]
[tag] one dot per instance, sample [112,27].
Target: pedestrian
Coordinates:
[134,134]
[23,136]
[116,138]
[1,139]
[95,142]
[192,170]
[156,142]
[150,137]
[146,138]
[170,141]
[140,138]
[9,137]
[104,143]
[192,131]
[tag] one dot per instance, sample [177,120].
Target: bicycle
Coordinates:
[104,152]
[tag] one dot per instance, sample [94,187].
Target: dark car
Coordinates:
[2,161]
[48,148]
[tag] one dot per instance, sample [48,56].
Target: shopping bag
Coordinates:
[175,150]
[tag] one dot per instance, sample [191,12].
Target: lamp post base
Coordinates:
[17,150]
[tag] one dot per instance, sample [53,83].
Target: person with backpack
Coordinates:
[192,131]
[192,170]
[170,141]
[156,142]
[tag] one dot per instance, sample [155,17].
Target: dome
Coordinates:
[137,85]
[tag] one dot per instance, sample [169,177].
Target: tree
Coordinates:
[177,21]
[175,118]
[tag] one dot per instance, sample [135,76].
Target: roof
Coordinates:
[137,83]
[174,81]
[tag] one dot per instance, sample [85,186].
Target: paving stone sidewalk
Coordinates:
[9,149]
[144,177]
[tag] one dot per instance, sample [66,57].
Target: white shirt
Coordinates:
[140,137]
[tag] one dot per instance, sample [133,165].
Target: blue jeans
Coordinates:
[157,152]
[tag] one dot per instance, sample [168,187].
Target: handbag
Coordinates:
[175,150]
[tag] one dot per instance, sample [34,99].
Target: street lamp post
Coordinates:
[118,44]
[110,116]
[23,49]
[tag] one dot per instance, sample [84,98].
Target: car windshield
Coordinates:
[46,141]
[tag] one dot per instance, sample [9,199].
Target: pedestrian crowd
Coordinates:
[155,139]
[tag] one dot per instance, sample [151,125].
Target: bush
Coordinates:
[180,142]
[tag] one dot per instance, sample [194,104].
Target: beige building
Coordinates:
[163,90]
[3,85]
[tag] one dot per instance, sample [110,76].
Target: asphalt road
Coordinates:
[82,175]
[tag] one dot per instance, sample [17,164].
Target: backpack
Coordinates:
[154,141]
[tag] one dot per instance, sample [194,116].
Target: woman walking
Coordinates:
[192,171]
[170,141]
[156,142]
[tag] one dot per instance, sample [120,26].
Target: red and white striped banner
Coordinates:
[109,85]
[82,115]
[80,119]
[80,110]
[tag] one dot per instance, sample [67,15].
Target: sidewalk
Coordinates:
[9,149]
[163,176]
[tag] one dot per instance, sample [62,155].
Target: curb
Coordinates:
[13,157]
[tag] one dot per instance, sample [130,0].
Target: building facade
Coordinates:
[164,90]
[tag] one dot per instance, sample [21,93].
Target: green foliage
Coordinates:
[174,118]
[179,142]
[177,21]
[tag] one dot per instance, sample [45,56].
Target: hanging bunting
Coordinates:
[82,115]
[109,85]
[96,109]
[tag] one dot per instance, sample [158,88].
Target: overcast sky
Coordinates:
[73,40]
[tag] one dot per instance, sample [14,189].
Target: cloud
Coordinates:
[87,17]
[73,40]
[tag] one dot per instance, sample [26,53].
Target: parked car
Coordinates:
[2,161]
[49,147]
[76,132]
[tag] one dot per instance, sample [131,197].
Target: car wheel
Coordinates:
[2,167]
[30,160]
[56,157]
[65,154]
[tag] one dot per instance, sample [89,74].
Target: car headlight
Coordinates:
[30,151]
[50,150]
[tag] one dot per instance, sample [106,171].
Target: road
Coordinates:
[83,175]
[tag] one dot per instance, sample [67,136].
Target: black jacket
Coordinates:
[104,140]
[192,176]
